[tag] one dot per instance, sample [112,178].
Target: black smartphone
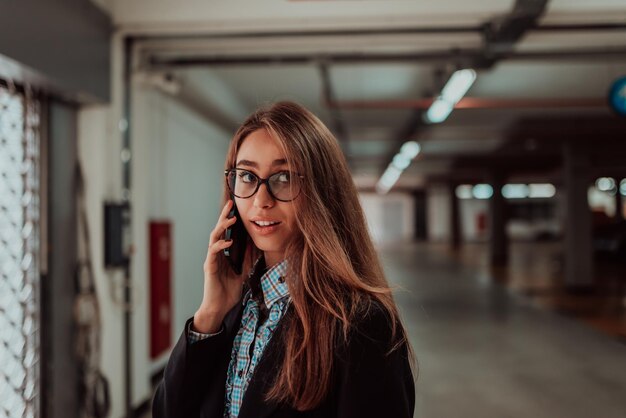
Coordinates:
[237,232]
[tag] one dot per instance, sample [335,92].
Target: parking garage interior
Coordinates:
[487,140]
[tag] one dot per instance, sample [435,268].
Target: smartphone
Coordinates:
[237,232]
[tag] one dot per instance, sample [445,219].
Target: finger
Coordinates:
[219,229]
[227,222]
[226,208]
[219,246]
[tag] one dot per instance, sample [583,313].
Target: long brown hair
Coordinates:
[334,273]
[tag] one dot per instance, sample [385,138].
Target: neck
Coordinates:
[272,258]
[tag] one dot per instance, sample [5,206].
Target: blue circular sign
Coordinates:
[617,96]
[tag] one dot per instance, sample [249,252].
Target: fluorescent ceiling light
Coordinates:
[458,85]
[401,161]
[388,179]
[439,111]
[605,184]
[392,174]
[410,149]
[454,90]
[515,191]
[541,190]
[482,191]
[464,191]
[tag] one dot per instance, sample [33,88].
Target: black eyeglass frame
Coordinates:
[260,182]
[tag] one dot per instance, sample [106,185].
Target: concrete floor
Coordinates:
[484,352]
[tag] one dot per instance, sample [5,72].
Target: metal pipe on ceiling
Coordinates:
[459,55]
[472,103]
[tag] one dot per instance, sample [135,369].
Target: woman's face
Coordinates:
[260,154]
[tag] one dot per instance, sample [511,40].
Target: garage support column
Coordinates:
[577,245]
[455,227]
[498,242]
[619,204]
[420,232]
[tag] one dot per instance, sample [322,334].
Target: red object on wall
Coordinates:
[160,287]
[481,223]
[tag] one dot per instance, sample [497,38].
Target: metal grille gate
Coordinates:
[19,255]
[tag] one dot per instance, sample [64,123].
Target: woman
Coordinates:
[312,330]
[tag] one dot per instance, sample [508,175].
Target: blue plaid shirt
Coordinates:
[254,333]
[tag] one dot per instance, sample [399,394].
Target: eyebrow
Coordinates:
[249,163]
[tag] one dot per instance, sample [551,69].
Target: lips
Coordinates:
[265,230]
[266,223]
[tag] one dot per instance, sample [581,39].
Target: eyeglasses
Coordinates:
[284,185]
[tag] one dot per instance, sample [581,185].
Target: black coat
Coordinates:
[365,382]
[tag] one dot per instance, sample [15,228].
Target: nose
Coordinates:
[262,198]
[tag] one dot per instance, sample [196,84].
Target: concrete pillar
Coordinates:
[577,245]
[421,232]
[455,225]
[498,240]
[61,368]
[619,204]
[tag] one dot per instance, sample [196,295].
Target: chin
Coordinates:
[264,244]
[266,247]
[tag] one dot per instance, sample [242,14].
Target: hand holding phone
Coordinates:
[222,290]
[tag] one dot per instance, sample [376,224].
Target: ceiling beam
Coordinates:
[188,96]
[459,55]
[426,30]
[328,96]
[580,128]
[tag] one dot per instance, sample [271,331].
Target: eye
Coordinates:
[246,177]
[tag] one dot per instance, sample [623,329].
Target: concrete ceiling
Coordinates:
[159,16]
[238,55]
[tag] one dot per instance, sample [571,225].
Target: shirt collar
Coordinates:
[273,283]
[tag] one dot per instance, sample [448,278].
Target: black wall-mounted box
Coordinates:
[116,234]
